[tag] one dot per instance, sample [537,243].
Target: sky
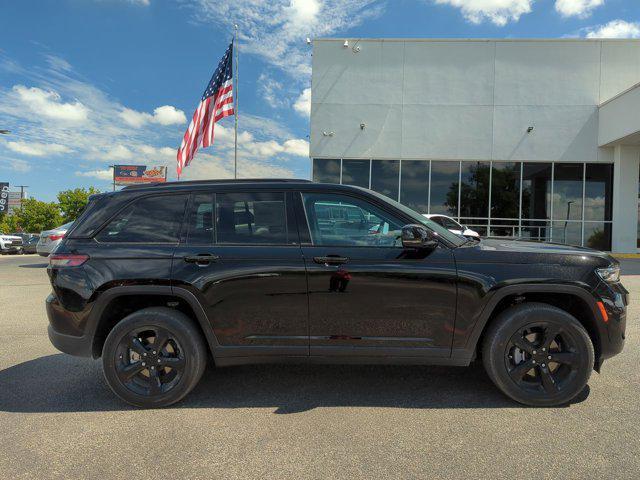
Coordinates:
[85,84]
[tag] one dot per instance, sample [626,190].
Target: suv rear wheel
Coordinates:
[538,354]
[153,357]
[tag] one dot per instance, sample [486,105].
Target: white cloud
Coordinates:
[577,8]
[99,174]
[49,104]
[499,12]
[15,164]
[36,149]
[303,104]
[276,30]
[168,115]
[614,29]
[165,115]
[297,147]
[272,91]
[134,118]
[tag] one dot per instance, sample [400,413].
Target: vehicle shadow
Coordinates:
[34,265]
[61,383]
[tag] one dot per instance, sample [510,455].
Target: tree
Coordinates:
[8,224]
[35,216]
[72,202]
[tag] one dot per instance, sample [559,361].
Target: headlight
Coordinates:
[609,274]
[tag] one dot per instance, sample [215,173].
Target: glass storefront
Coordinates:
[543,201]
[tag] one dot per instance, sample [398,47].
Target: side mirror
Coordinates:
[417,236]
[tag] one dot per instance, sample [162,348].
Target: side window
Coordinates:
[450,224]
[154,219]
[358,223]
[438,220]
[200,226]
[251,218]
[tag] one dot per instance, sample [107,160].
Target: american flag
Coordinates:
[216,103]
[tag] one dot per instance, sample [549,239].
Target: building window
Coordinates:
[356,172]
[474,189]
[326,171]
[414,191]
[445,177]
[541,201]
[505,199]
[598,192]
[385,177]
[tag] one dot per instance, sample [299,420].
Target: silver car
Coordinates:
[50,239]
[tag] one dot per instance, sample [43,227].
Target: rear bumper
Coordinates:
[77,346]
[80,346]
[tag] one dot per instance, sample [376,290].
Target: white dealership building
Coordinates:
[521,138]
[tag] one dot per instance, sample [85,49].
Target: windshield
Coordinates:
[457,240]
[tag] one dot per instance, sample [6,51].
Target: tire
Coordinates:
[180,360]
[516,352]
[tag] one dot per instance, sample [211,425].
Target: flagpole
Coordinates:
[235,96]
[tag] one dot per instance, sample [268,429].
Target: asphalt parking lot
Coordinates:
[58,419]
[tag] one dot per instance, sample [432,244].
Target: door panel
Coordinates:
[255,296]
[380,297]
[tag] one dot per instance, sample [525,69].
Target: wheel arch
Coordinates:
[117,302]
[574,300]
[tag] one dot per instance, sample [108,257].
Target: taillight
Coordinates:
[62,260]
[53,238]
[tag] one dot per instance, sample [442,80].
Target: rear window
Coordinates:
[155,219]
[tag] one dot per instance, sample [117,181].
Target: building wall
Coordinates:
[466,99]
[397,115]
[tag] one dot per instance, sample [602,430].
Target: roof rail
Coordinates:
[218,181]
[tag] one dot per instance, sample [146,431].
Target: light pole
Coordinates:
[566,222]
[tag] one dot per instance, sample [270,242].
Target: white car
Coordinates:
[10,243]
[451,225]
[50,239]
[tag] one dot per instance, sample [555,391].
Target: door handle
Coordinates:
[201,259]
[331,260]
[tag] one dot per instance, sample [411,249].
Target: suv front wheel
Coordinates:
[153,357]
[538,354]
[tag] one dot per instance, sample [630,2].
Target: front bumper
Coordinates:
[615,299]
[11,249]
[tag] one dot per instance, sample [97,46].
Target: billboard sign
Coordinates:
[4,197]
[15,201]
[133,174]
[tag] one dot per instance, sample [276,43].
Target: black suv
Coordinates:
[154,278]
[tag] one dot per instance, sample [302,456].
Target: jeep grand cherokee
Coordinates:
[154,278]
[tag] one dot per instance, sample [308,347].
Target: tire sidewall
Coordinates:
[179,326]
[516,318]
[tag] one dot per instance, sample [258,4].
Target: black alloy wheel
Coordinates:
[538,354]
[154,357]
[542,357]
[150,360]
